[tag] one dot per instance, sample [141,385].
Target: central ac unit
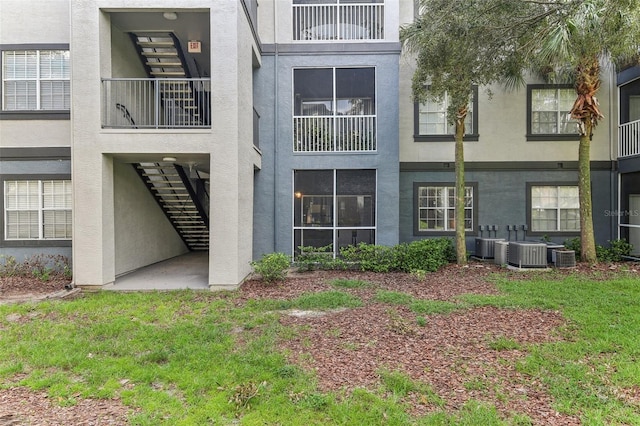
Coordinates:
[501,248]
[485,247]
[564,258]
[527,255]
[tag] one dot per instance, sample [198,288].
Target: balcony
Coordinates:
[334,134]
[342,21]
[161,103]
[629,139]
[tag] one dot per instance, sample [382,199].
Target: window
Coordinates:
[325,20]
[35,80]
[334,110]
[549,112]
[37,210]
[431,122]
[555,208]
[435,208]
[334,207]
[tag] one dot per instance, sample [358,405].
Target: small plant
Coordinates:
[244,393]
[312,258]
[419,274]
[421,321]
[272,267]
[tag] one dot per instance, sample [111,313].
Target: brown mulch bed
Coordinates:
[457,355]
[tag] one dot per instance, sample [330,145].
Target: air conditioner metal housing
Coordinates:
[501,250]
[485,247]
[564,258]
[527,255]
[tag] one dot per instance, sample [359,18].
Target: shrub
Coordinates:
[371,257]
[427,255]
[272,266]
[312,258]
[614,253]
[44,267]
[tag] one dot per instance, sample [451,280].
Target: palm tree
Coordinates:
[455,46]
[579,36]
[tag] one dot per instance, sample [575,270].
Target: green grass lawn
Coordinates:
[199,358]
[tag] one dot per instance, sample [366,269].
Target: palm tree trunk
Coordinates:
[587,238]
[461,243]
[587,112]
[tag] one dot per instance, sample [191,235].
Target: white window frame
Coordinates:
[448,192]
[39,206]
[563,121]
[539,205]
[331,123]
[439,108]
[38,79]
[333,226]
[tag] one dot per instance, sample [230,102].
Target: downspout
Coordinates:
[614,184]
[275,128]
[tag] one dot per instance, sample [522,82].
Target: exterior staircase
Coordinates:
[181,202]
[185,100]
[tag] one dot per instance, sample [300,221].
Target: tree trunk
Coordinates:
[587,112]
[461,244]
[588,248]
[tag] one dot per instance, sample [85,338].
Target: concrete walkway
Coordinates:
[189,270]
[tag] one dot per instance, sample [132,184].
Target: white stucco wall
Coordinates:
[502,126]
[231,165]
[34,21]
[34,133]
[142,233]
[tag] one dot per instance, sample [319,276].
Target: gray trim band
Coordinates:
[503,165]
[39,153]
[391,48]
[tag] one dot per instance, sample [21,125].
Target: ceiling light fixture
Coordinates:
[170,16]
[169,159]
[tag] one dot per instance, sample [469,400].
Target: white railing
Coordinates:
[322,22]
[334,134]
[629,139]
[161,103]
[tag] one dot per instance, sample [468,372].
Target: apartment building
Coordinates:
[135,131]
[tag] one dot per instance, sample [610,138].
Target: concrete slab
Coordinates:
[188,271]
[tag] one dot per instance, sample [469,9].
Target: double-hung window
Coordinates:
[435,208]
[555,208]
[431,120]
[35,80]
[334,109]
[37,209]
[549,110]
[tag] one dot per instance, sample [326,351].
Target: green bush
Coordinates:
[427,255]
[424,255]
[312,258]
[371,257]
[272,266]
[614,253]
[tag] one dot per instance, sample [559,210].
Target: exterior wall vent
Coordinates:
[485,247]
[527,255]
[564,258]
[501,250]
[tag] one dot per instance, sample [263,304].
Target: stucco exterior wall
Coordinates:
[34,21]
[275,181]
[501,199]
[142,233]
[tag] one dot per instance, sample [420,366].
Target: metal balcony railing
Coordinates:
[629,139]
[323,22]
[161,103]
[334,134]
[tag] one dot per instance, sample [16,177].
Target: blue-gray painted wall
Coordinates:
[502,199]
[273,200]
